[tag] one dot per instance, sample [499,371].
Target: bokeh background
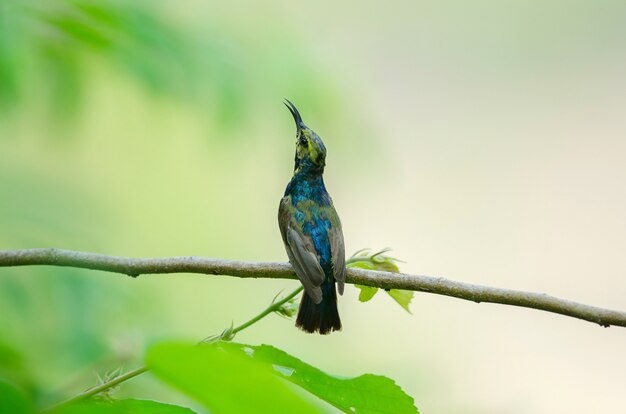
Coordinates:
[483,141]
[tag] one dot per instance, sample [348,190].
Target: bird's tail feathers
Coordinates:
[322,317]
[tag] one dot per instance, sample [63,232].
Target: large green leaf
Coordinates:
[12,400]
[123,407]
[367,394]
[225,379]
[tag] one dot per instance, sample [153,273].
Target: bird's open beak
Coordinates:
[295,113]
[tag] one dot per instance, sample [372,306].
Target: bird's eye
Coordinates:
[302,140]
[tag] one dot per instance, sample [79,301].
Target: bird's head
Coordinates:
[310,150]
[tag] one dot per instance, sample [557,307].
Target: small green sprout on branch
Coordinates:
[364,259]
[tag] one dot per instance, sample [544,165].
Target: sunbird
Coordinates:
[312,233]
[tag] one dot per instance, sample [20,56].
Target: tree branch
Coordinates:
[383,280]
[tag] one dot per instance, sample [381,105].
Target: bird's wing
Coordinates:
[301,252]
[337,250]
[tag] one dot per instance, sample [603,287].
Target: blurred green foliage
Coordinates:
[50,42]
[13,400]
[49,48]
[54,309]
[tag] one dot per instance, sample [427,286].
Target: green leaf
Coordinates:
[123,407]
[403,297]
[363,259]
[366,394]
[362,264]
[367,292]
[223,380]
[12,400]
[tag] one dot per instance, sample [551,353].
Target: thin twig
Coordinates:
[384,280]
[97,389]
[228,334]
